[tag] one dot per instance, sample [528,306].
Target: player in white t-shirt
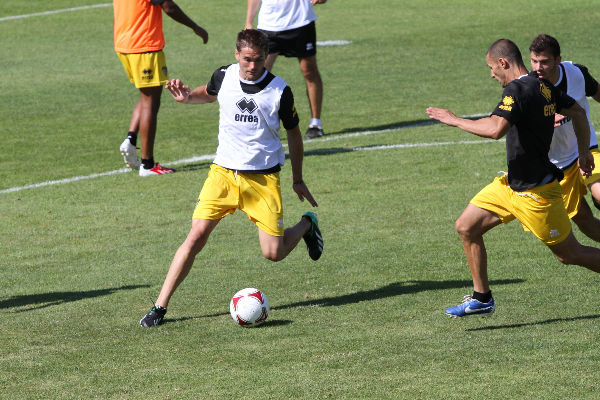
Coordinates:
[576,81]
[245,171]
[290,26]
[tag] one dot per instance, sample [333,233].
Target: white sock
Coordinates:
[315,122]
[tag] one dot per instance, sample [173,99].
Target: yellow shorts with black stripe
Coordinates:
[596,172]
[573,189]
[540,210]
[258,195]
[145,69]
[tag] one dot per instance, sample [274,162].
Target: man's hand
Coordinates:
[586,163]
[313,2]
[303,193]
[173,11]
[558,119]
[179,91]
[198,30]
[442,115]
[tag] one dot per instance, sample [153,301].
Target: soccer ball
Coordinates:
[249,307]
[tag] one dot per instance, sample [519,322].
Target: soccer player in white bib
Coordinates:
[576,81]
[245,171]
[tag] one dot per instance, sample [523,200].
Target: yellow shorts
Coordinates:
[596,172]
[145,69]
[541,210]
[258,195]
[573,189]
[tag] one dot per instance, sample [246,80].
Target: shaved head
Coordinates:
[507,49]
[505,61]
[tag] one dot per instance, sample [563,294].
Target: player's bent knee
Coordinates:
[272,247]
[272,255]
[563,260]
[196,240]
[463,229]
[569,251]
[567,257]
[561,252]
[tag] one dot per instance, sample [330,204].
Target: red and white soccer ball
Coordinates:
[249,307]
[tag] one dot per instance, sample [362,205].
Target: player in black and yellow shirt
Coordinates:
[530,191]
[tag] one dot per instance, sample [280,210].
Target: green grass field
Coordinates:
[82,260]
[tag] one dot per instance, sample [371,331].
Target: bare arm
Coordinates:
[251,11]
[296,151]
[582,132]
[176,13]
[183,94]
[493,127]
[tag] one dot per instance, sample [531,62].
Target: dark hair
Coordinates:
[543,42]
[504,48]
[253,39]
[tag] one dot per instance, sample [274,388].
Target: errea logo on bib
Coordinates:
[246,106]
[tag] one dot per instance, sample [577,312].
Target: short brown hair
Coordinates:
[253,39]
[543,42]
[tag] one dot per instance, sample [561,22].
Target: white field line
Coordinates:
[413,145]
[38,14]
[209,157]
[326,43]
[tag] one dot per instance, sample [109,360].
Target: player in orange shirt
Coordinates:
[139,41]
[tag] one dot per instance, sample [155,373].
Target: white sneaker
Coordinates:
[129,153]
[156,170]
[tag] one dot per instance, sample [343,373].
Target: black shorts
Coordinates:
[300,42]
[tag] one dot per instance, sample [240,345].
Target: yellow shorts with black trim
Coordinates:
[573,189]
[596,172]
[145,69]
[540,210]
[258,195]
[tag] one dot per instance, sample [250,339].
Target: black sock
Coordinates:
[482,297]
[148,164]
[132,136]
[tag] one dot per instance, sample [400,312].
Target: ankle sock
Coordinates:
[482,297]
[315,122]
[148,164]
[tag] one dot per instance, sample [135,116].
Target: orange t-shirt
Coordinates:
[138,26]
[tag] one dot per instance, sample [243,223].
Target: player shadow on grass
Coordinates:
[43,300]
[393,126]
[393,289]
[526,324]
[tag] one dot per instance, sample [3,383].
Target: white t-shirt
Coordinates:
[283,15]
